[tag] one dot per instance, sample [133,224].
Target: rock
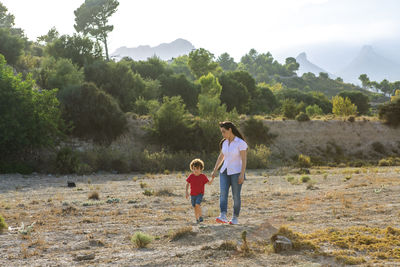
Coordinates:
[71,184]
[85,257]
[281,243]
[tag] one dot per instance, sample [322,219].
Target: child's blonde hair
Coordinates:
[196,163]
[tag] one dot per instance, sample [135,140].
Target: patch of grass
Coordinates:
[167,172]
[141,240]
[228,245]
[3,224]
[94,195]
[244,248]
[113,200]
[143,185]
[350,245]
[181,233]
[305,179]
[165,192]
[148,192]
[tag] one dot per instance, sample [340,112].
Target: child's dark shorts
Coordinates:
[196,199]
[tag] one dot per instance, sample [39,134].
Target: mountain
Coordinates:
[371,63]
[164,51]
[307,66]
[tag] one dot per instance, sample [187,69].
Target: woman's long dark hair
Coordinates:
[229,125]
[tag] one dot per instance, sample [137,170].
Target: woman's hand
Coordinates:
[213,174]
[241,178]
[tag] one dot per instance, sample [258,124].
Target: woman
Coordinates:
[232,174]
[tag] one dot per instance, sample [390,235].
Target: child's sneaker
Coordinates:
[222,218]
[201,219]
[234,220]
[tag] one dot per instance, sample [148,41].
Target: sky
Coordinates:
[284,27]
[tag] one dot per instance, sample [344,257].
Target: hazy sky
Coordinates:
[226,26]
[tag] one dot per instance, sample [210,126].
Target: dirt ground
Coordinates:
[71,230]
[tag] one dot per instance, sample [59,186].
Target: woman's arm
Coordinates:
[243,155]
[217,164]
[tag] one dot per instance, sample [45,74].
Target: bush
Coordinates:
[94,195]
[390,113]
[343,106]
[378,147]
[172,120]
[289,108]
[98,117]
[359,99]
[351,119]
[29,118]
[257,132]
[3,224]
[305,179]
[181,233]
[141,240]
[314,110]
[304,161]
[67,161]
[302,117]
[257,158]
[16,167]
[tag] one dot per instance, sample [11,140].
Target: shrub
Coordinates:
[257,132]
[378,147]
[171,119]
[148,192]
[343,106]
[314,110]
[29,118]
[228,245]
[94,195]
[289,108]
[67,161]
[181,233]
[304,161]
[302,117]
[305,179]
[141,240]
[98,117]
[257,158]
[3,224]
[359,99]
[390,113]
[351,119]
[120,165]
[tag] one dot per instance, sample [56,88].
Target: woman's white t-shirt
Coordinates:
[231,152]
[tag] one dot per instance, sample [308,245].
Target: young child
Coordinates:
[197,180]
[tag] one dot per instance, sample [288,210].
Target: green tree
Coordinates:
[234,94]
[343,106]
[364,81]
[179,85]
[152,68]
[264,101]
[6,19]
[359,99]
[11,46]
[51,36]
[171,124]
[313,110]
[201,62]
[95,114]
[227,62]
[118,80]
[29,118]
[59,74]
[81,50]
[291,64]
[179,65]
[91,18]
[390,112]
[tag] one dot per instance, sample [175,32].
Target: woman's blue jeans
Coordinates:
[225,182]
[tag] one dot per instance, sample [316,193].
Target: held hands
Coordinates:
[213,174]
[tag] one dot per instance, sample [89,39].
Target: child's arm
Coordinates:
[187,190]
[212,179]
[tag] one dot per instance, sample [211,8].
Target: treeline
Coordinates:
[67,86]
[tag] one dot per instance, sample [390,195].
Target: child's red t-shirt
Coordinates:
[197,184]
